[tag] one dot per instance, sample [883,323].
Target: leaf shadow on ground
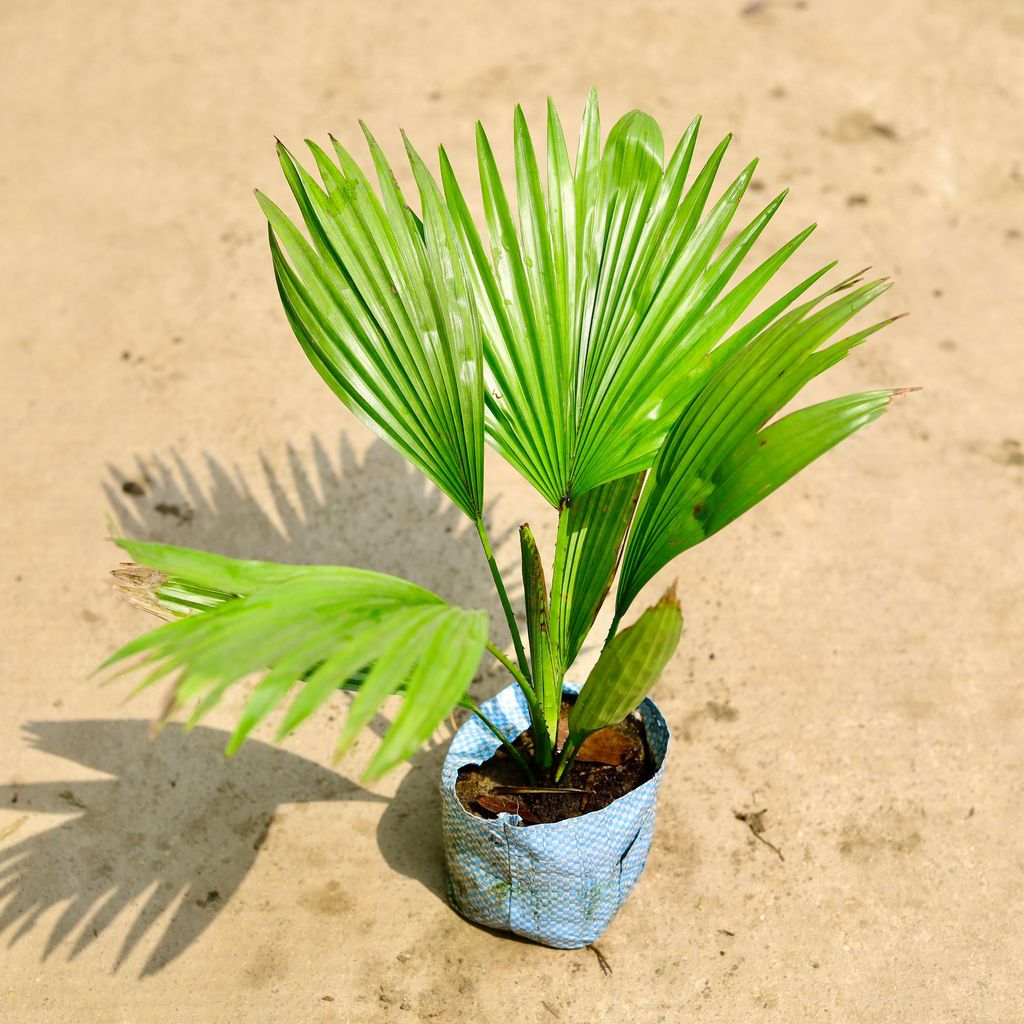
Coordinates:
[372,511]
[212,815]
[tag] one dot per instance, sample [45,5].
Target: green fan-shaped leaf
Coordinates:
[435,685]
[599,307]
[235,577]
[770,457]
[384,311]
[310,630]
[719,459]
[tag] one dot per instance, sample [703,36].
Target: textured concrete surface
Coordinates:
[852,661]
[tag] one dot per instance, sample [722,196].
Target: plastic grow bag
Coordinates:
[559,884]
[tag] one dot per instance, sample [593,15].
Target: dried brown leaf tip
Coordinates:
[138,586]
[900,392]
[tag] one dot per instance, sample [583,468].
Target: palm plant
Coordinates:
[594,335]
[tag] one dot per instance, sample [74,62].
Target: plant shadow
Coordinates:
[211,818]
[375,512]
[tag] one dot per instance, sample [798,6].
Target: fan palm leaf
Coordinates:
[310,630]
[719,459]
[598,306]
[384,312]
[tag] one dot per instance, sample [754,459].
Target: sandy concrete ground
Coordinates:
[852,661]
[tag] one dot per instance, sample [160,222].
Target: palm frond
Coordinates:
[599,306]
[311,630]
[719,459]
[384,312]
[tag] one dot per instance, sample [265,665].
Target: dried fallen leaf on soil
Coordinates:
[606,747]
[506,804]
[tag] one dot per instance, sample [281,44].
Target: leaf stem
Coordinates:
[506,605]
[541,739]
[566,761]
[506,743]
[524,683]
[559,602]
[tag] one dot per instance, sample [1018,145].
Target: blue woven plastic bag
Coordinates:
[559,884]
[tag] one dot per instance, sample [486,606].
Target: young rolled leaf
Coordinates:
[591,531]
[384,312]
[630,664]
[547,680]
[719,444]
[310,630]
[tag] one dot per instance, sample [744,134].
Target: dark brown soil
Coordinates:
[590,784]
